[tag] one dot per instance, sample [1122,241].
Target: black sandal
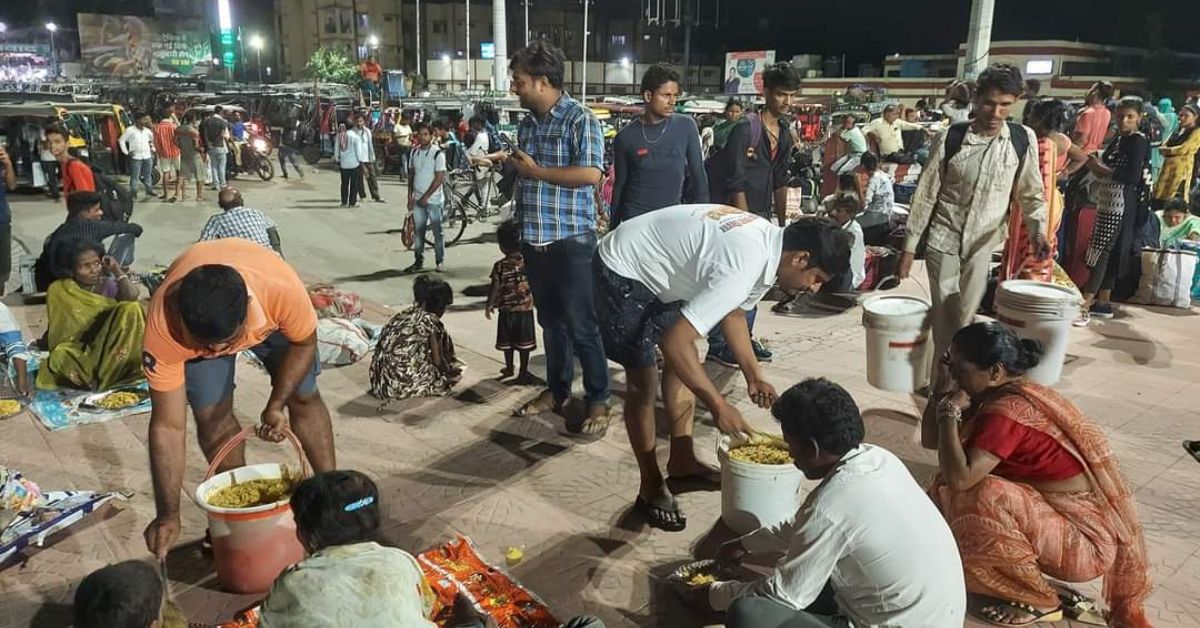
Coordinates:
[1192,447]
[667,519]
[992,613]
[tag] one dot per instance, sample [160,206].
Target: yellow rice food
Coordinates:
[118,400]
[251,493]
[9,406]
[766,451]
[700,579]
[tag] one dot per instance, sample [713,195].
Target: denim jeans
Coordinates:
[286,154]
[141,170]
[560,277]
[716,337]
[425,216]
[217,159]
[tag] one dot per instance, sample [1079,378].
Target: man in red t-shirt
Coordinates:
[168,157]
[76,175]
[371,74]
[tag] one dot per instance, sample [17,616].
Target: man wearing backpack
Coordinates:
[961,205]
[76,175]
[751,173]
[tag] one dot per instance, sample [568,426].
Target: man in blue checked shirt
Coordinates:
[559,163]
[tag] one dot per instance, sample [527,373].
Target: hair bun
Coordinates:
[1031,353]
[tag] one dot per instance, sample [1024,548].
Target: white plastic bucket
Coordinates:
[251,546]
[756,495]
[1041,311]
[898,342]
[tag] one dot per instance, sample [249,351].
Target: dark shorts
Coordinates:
[632,320]
[514,330]
[210,380]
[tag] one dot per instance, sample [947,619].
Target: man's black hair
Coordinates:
[822,411]
[781,76]
[1002,77]
[124,595]
[218,109]
[80,201]
[827,244]
[418,127]
[658,75]
[540,59]
[869,161]
[212,302]
[57,129]
[509,236]
[734,102]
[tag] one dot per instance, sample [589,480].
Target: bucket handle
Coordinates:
[240,437]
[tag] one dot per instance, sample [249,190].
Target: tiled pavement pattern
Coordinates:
[463,464]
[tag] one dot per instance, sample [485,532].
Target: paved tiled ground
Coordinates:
[463,464]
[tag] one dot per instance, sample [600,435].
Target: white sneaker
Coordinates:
[1085,319]
[441,268]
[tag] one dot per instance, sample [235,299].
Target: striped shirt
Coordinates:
[239,222]
[569,135]
[164,139]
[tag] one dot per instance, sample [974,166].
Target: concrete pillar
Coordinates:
[979,38]
[500,32]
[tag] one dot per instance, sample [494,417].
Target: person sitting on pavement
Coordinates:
[915,142]
[856,146]
[218,299]
[95,324]
[1177,225]
[668,278]
[14,352]
[415,354]
[887,130]
[238,221]
[129,594]
[1029,485]
[847,185]
[843,210]
[866,548]
[85,221]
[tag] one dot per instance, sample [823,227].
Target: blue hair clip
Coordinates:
[362,503]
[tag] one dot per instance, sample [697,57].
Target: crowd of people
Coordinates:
[1028,487]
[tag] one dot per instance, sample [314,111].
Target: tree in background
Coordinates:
[331,65]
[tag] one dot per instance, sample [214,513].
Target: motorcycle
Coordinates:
[256,157]
[804,172]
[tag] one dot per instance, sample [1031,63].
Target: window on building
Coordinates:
[618,40]
[364,21]
[390,17]
[1039,66]
[439,27]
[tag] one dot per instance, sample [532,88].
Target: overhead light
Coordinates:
[51,26]
[625,61]
[373,40]
[256,42]
[3,27]
[224,17]
[445,57]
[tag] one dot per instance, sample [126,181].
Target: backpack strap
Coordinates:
[954,142]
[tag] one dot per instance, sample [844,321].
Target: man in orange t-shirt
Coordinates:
[76,175]
[1092,125]
[218,299]
[371,73]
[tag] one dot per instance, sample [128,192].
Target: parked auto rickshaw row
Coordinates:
[94,129]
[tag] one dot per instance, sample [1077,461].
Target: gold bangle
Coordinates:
[947,410]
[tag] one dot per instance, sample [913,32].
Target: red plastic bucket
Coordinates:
[251,546]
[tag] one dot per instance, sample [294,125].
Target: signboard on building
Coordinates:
[123,45]
[743,71]
[487,50]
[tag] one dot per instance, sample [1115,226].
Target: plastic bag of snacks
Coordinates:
[332,302]
[456,567]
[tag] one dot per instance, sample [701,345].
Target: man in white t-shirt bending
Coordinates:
[669,277]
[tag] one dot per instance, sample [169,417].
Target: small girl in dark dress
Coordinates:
[511,296]
[415,354]
[1122,172]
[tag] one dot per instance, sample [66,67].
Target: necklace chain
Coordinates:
[661,134]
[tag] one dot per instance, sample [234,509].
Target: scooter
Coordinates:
[256,157]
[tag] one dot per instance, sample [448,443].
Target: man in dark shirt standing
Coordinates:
[215,130]
[655,155]
[751,173]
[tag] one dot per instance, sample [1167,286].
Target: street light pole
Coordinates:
[256,42]
[526,23]
[583,89]
[467,29]
[52,27]
[418,36]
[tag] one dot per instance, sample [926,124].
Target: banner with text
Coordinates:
[744,70]
[123,45]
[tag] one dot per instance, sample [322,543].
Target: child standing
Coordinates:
[511,296]
[415,355]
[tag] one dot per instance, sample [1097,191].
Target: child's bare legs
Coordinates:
[507,371]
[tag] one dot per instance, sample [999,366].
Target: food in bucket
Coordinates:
[762,450]
[119,400]
[9,406]
[251,493]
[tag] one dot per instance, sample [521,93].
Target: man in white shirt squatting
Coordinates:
[867,547]
[667,278]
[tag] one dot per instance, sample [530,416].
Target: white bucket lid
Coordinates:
[1034,292]
[890,305]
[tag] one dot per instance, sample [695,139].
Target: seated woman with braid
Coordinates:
[96,326]
[1030,487]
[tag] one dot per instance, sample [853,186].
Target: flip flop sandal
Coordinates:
[667,519]
[1192,447]
[1078,606]
[592,427]
[993,614]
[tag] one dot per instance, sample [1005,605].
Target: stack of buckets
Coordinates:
[899,345]
[1041,311]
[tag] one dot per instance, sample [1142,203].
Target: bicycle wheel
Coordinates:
[454,222]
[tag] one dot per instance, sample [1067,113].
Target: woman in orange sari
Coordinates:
[1057,155]
[1030,488]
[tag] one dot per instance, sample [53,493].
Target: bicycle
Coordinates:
[468,199]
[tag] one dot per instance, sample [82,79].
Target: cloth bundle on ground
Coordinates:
[29,515]
[342,341]
[332,302]
[1167,278]
[455,567]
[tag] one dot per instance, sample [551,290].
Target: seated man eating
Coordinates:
[669,277]
[867,547]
